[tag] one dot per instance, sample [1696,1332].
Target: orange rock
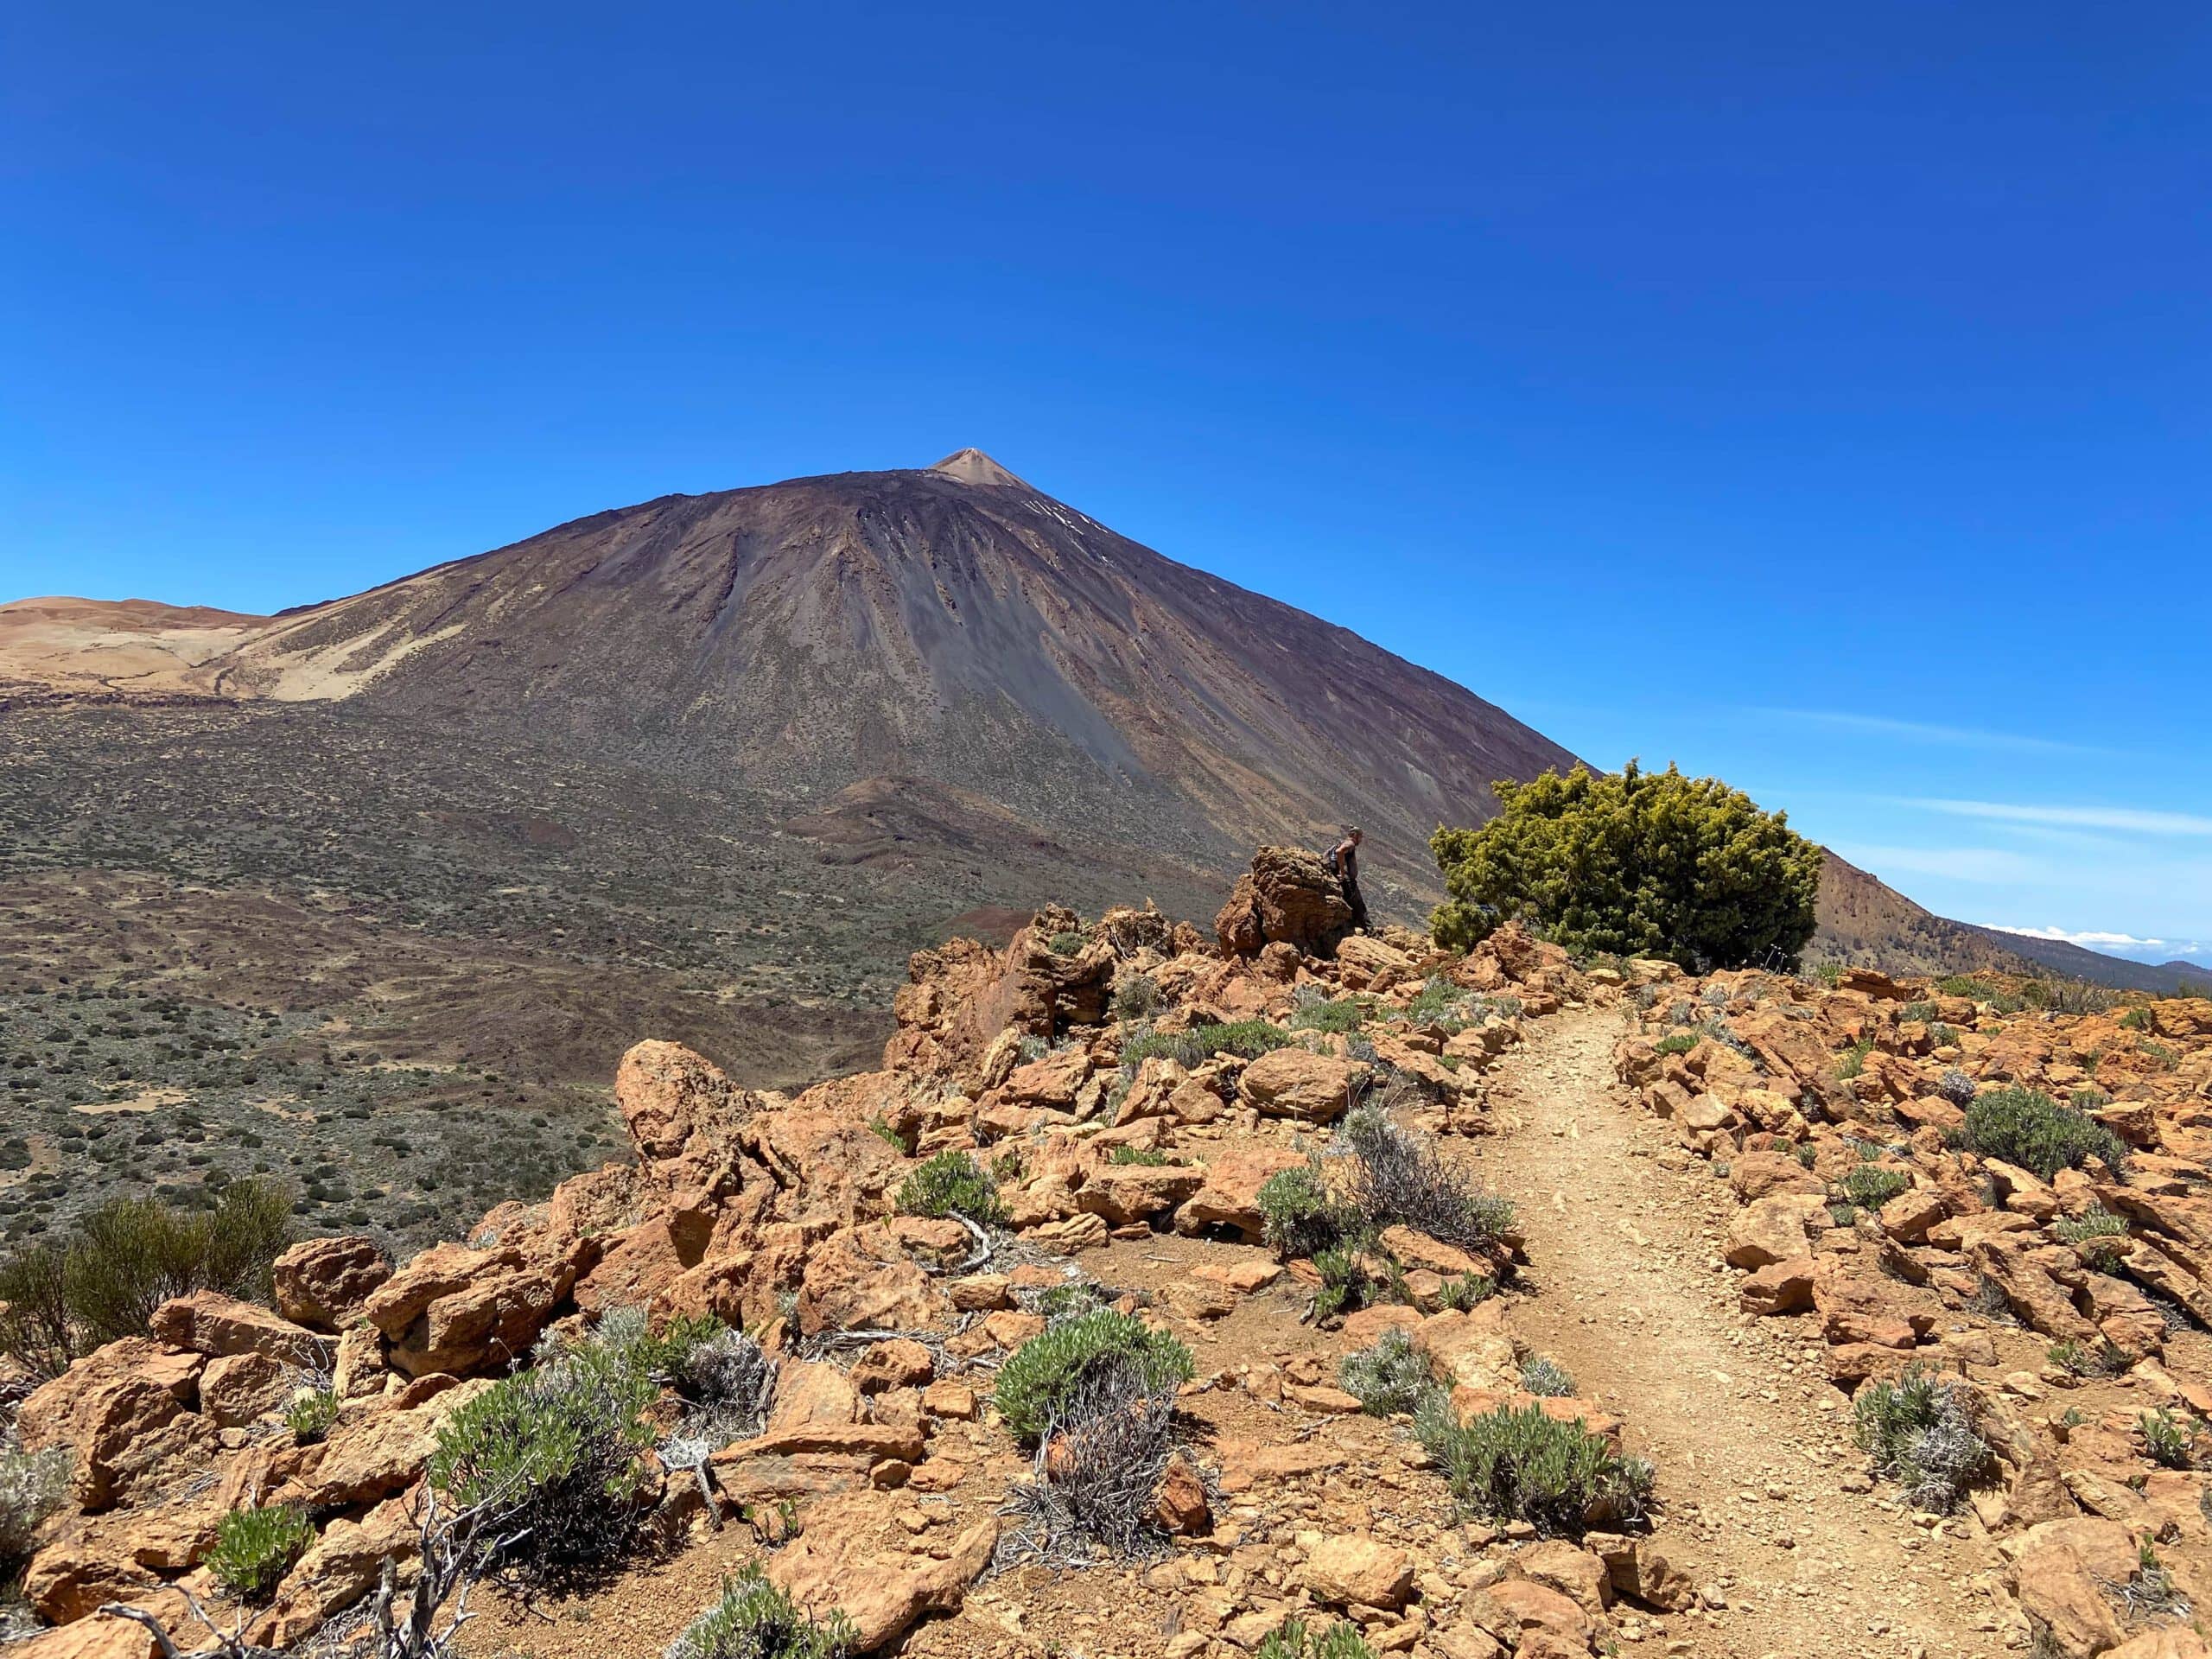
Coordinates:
[1772,1229]
[321,1283]
[1575,1573]
[1355,1569]
[1231,1195]
[208,1322]
[1296,1083]
[1286,897]
[238,1387]
[683,1116]
[1131,1192]
[898,1364]
[835,1564]
[1779,1287]
[1181,1507]
[107,1405]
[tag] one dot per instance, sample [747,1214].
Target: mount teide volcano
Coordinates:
[382,888]
[952,625]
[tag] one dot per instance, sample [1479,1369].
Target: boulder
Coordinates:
[107,1407]
[1761,1174]
[683,1116]
[1131,1192]
[342,1564]
[321,1283]
[2059,1576]
[458,1310]
[1368,964]
[381,1453]
[1779,1287]
[1573,1571]
[100,1635]
[1181,1507]
[208,1322]
[898,1364]
[1355,1569]
[1231,1194]
[1288,896]
[863,1278]
[1772,1229]
[238,1387]
[836,1564]
[1297,1082]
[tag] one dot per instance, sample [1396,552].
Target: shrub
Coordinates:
[2028,1128]
[1521,1464]
[1334,1015]
[255,1548]
[1923,1013]
[310,1413]
[2167,1439]
[2137,1019]
[1547,1377]
[1246,1039]
[1393,1376]
[2098,1228]
[1060,1302]
[1853,1061]
[1956,1087]
[1300,1217]
[1461,1293]
[1142,1155]
[2107,1359]
[756,1620]
[1676,1042]
[1918,1433]
[1069,944]
[728,1383]
[1399,1177]
[32,1486]
[1871,1186]
[553,1451]
[1099,1464]
[1037,1385]
[1350,1280]
[36,1326]
[950,1184]
[1292,1639]
[130,1256]
[1634,863]
[1135,996]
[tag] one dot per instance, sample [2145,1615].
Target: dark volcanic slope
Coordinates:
[951,624]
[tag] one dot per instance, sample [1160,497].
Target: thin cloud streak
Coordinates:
[2130,819]
[1983,864]
[2090,937]
[1925,732]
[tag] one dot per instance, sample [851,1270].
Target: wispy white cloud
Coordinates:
[2130,820]
[1916,731]
[2091,937]
[2116,944]
[1987,864]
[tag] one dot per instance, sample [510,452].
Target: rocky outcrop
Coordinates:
[1288,897]
[321,1283]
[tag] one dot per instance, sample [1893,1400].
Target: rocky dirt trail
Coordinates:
[1753,1444]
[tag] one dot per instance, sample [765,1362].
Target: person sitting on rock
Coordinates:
[1343,861]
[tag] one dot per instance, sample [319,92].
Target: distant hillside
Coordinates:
[380,887]
[2076,962]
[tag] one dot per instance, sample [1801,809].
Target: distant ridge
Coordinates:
[938,663]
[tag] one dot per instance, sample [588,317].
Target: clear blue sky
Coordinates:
[1818,397]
